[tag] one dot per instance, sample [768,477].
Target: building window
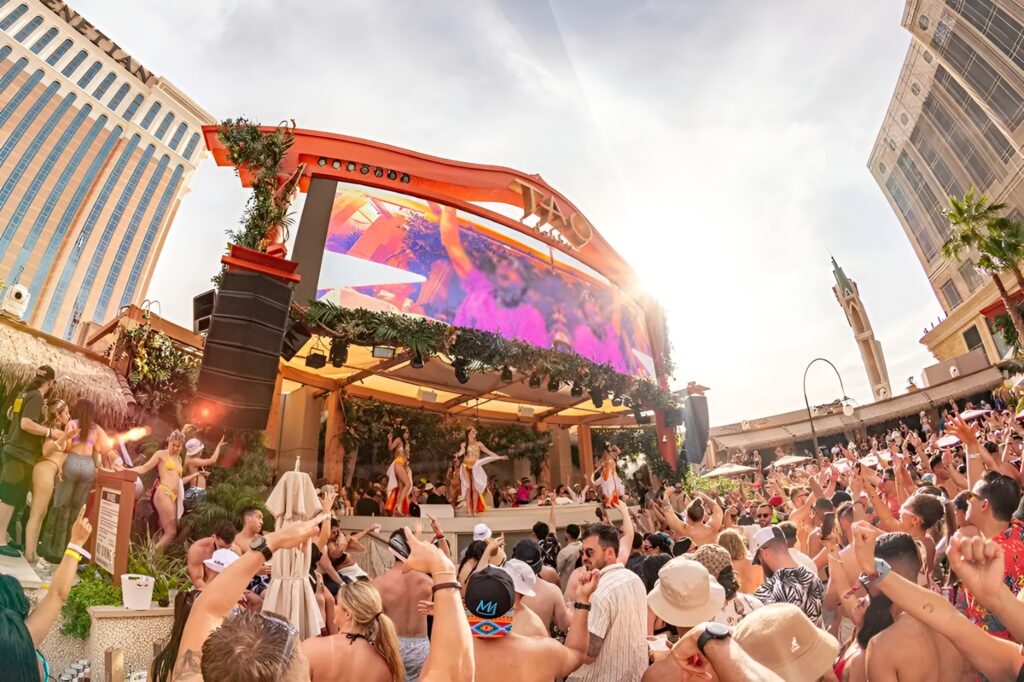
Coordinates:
[972,337]
[979,74]
[104,85]
[176,138]
[89,75]
[1002,30]
[951,295]
[147,240]
[1003,148]
[919,186]
[74,64]
[58,53]
[191,146]
[925,241]
[115,101]
[9,20]
[164,125]
[972,278]
[133,107]
[150,115]
[27,29]
[44,40]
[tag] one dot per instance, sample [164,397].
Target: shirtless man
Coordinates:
[201,550]
[252,525]
[695,527]
[400,594]
[525,622]
[491,595]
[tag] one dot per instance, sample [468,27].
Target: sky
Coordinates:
[720,147]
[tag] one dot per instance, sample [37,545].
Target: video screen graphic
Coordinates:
[393,252]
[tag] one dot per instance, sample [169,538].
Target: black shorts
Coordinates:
[15,481]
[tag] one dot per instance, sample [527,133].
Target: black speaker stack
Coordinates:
[245,321]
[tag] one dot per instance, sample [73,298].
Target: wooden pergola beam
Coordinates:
[379,367]
[308,378]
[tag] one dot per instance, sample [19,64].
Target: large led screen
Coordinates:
[394,252]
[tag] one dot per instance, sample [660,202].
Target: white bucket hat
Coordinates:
[481,531]
[193,447]
[522,575]
[685,594]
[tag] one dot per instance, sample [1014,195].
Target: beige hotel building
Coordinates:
[955,121]
[96,152]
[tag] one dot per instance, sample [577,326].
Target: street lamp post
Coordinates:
[847,409]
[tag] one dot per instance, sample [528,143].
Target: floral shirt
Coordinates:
[1012,542]
[796,586]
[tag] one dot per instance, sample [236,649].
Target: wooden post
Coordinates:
[274,419]
[113,665]
[111,515]
[334,447]
[586,450]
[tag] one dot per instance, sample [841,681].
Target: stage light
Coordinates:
[339,352]
[417,360]
[405,178]
[644,419]
[392,175]
[506,375]
[316,360]
[383,352]
[461,367]
[336,164]
[617,401]
[576,391]
[553,384]
[321,162]
[534,382]
[351,166]
[378,172]
[364,169]
[597,397]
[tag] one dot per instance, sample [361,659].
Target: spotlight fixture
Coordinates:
[553,384]
[461,367]
[597,397]
[534,382]
[576,391]
[405,178]
[321,162]
[417,360]
[350,166]
[617,400]
[378,172]
[336,164]
[506,375]
[644,419]
[364,169]
[392,175]
[627,401]
[339,352]
[316,360]
[383,352]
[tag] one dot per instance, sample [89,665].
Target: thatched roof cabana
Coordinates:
[80,373]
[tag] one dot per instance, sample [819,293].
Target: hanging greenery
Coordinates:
[160,374]
[484,351]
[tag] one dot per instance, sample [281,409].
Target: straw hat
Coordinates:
[780,637]
[685,594]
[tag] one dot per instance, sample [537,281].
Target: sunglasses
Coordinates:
[764,516]
[589,552]
[281,625]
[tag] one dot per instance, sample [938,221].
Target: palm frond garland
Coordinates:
[485,351]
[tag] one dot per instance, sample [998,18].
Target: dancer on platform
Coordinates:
[472,474]
[168,492]
[44,473]
[609,482]
[399,473]
[195,471]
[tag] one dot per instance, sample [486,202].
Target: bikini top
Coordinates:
[90,441]
[170,464]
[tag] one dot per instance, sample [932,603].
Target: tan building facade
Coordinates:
[955,121]
[96,153]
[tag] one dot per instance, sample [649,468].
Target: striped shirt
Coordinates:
[618,615]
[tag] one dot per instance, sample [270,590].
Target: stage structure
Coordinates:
[473,246]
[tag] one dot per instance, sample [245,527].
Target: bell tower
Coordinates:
[870,349]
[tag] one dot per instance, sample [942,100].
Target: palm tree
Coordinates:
[978,224]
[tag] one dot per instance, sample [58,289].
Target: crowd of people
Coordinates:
[832,569]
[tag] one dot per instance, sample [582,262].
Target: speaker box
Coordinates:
[295,338]
[674,417]
[243,344]
[202,309]
[695,417]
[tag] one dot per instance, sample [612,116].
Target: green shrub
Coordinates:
[229,491]
[170,568]
[94,588]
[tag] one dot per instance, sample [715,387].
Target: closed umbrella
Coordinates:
[290,593]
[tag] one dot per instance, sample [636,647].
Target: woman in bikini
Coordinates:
[195,473]
[472,474]
[609,482]
[167,494]
[84,457]
[399,473]
[46,472]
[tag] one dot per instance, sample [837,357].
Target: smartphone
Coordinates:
[399,545]
[828,525]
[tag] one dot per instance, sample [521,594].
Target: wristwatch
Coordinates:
[712,631]
[259,544]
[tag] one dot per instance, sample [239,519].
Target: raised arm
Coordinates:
[626,540]
[212,459]
[965,432]
[716,511]
[571,656]
[886,520]
[41,620]
[958,479]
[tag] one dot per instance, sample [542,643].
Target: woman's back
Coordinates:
[339,657]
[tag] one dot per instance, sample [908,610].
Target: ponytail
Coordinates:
[385,638]
[362,600]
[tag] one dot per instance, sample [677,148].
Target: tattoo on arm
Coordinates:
[187,667]
[594,648]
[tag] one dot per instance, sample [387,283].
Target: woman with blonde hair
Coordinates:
[169,490]
[45,473]
[750,575]
[366,646]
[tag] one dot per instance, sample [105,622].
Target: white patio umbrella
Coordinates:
[971,415]
[728,470]
[789,460]
[290,593]
[947,442]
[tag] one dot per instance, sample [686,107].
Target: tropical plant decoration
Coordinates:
[484,351]
[160,374]
[169,569]
[94,588]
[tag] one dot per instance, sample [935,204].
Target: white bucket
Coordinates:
[137,591]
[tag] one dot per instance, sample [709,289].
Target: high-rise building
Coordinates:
[955,121]
[96,152]
[848,295]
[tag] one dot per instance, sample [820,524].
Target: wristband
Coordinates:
[73,554]
[581,606]
[444,586]
[79,550]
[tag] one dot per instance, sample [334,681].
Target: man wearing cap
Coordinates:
[685,594]
[501,653]
[202,550]
[23,447]
[617,651]
[547,600]
[525,622]
[789,582]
